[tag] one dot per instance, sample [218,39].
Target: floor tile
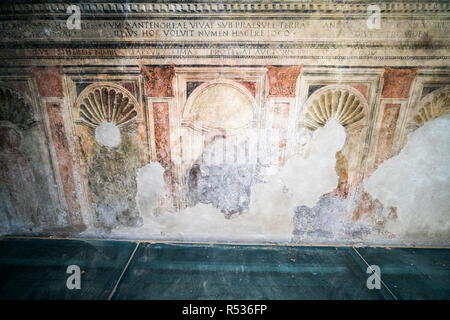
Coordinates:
[412,273]
[36,268]
[181,271]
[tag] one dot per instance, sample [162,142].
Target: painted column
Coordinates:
[160,94]
[282,92]
[49,83]
[395,93]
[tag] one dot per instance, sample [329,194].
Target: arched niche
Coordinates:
[16,108]
[344,103]
[108,119]
[218,129]
[219,104]
[106,103]
[433,105]
[350,108]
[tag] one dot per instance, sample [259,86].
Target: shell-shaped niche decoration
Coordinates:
[225,105]
[106,108]
[434,105]
[15,108]
[345,104]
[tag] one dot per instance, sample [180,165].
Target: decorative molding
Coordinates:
[344,103]
[103,102]
[159,80]
[186,115]
[283,80]
[437,78]
[49,81]
[397,82]
[351,7]
[250,85]
[184,139]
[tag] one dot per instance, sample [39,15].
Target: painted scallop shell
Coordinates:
[434,105]
[15,108]
[341,103]
[106,103]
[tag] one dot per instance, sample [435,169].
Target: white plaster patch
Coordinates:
[149,183]
[108,135]
[300,181]
[417,182]
[308,179]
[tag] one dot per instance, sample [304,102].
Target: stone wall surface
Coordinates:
[259,121]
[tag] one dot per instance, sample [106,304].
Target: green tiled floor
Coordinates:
[412,273]
[36,269]
[173,271]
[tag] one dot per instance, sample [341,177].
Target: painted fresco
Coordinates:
[206,122]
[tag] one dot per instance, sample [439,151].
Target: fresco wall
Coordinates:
[298,121]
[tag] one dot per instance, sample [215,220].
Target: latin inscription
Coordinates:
[166,30]
[296,39]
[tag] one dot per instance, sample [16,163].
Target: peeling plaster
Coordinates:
[111,175]
[417,182]
[108,135]
[301,181]
[150,181]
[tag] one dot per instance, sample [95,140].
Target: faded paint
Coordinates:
[387,130]
[28,193]
[221,106]
[271,212]
[283,80]
[220,181]
[111,176]
[63,155]
[251,87]
[278,131]
[162,132]
[159,80]
[49,81]
[397,82]
[361,88]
